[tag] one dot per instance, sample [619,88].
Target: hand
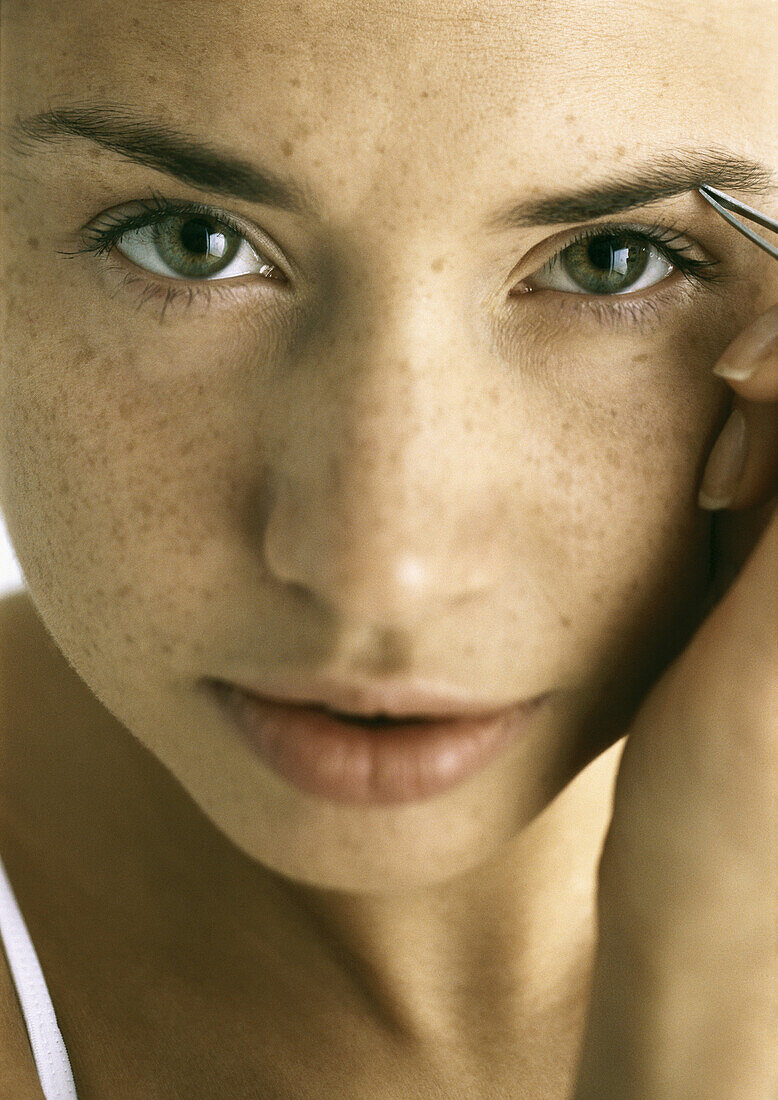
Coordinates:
[684,996]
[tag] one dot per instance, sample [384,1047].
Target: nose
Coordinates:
[370,549]
[360,575]
[386,490]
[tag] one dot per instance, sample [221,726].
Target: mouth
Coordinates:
[371,703]
[379,721]
[376,758]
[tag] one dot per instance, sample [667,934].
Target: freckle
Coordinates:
[33,243]
[570,118]
[287,148]
[620,150]
[86,355]
[295,82]
[565,621]
[151,79]
[579,139]
[424,95]
[437,265]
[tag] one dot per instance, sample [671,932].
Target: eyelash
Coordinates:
[627,308]
[100,240]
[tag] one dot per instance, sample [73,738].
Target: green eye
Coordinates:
[614,260]
[187,247]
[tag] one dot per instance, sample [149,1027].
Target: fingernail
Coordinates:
[726,464]
[738,364]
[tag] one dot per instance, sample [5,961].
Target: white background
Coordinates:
[10,572]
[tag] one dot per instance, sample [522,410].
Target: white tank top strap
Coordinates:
[48,1046]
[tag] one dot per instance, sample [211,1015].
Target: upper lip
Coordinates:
[392,699]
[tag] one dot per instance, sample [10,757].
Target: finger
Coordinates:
[701,759]
[686,941]
[750,363]
[734,534]
[730,671]
[759,480]
[742,468]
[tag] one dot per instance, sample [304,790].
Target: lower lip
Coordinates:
[358,764]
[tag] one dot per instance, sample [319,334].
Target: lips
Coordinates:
[381,721]
[362,700]
[379,759]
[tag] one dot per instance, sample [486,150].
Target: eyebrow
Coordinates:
[157,145]
[662,177]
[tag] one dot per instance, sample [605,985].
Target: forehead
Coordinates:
[416,94]
[382,52]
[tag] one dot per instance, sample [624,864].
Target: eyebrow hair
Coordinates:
[663,176]
[159,146]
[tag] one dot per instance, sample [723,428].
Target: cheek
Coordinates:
[621,543]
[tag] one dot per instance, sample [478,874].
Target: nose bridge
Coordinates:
[380,511]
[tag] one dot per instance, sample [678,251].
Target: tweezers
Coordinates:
[708,193]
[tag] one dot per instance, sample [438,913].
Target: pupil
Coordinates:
[601,254]
[196,236]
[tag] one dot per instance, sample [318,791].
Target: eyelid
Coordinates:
[553,246]
[158,207]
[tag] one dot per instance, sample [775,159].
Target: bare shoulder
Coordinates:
[46,712]
[30,668]
[20,626]
[18,1073]
[33,671]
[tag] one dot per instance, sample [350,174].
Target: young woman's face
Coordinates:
[376,456]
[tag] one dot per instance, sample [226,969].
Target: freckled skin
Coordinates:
[242,487]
